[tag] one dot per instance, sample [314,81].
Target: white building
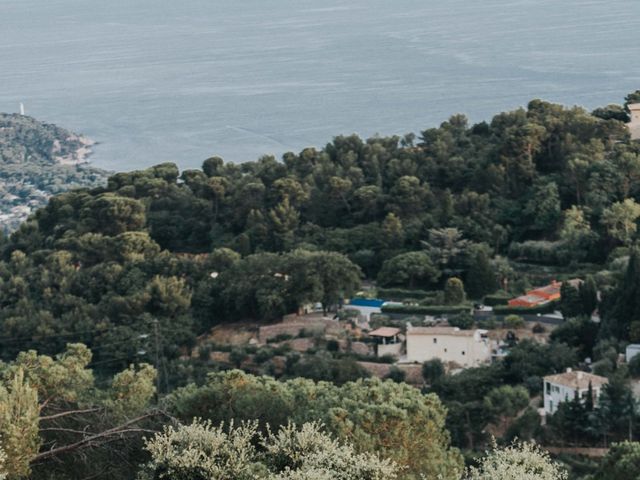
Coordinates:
[563,387]
[632,350]
[465,348]
[634,125]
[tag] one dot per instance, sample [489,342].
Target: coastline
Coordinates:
[79,156]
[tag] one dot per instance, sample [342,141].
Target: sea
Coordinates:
[158,80]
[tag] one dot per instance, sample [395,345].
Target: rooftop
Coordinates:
[577,380]
[552,289]
[531,299]
[454,331]
[385,332]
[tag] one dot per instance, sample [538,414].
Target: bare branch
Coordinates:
[68,430]
[70,412]
[92,439]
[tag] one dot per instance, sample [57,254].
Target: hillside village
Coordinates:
[399,345]
[38,160]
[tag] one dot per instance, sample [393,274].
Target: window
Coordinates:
[435,340]
[548,386]
[445,350]
[463,352]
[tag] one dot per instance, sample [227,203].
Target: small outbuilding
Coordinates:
[388,341]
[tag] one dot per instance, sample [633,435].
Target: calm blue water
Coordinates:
[154,80]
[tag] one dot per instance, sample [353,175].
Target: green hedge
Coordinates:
[497,299]
[426,309]
[398,294]
[507,310]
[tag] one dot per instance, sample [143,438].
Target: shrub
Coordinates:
[399,294]
[333,346]
[202,450]
[462,320]
[388,358]
[237,356]
[263,354]
[488,324]
[347,313]
[514,321]
[497,299]
[396,374]
[549,307]
[517,461]
[634,366]
[432,370]
[454,293]
[281,337]
[539,328]
[426,309]
[541,252]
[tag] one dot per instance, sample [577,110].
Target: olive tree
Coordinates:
[523,461]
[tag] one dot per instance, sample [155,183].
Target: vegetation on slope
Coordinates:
[155,258]
[38,160]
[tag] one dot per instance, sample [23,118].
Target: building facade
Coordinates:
[564,387]
[388,341]
[634,125]
[464,348]
[631,351]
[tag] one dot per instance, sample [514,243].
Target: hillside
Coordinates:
[146,268]
[38,160]
[533,193]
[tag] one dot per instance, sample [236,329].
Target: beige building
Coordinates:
[634,125]
[465,348]
[564,387]
[388,341]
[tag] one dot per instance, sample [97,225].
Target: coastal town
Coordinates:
[37,161]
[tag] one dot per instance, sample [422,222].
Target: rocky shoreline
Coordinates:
[38,160]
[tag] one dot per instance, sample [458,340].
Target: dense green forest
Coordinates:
[138,272]
[38,160]
[546,185]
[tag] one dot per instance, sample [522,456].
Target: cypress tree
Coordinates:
[480,279]
[588,404]
[570,302]
[589,295]
[624,303]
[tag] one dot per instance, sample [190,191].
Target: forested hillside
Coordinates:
[546,184]
[139,270]
[38,160]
